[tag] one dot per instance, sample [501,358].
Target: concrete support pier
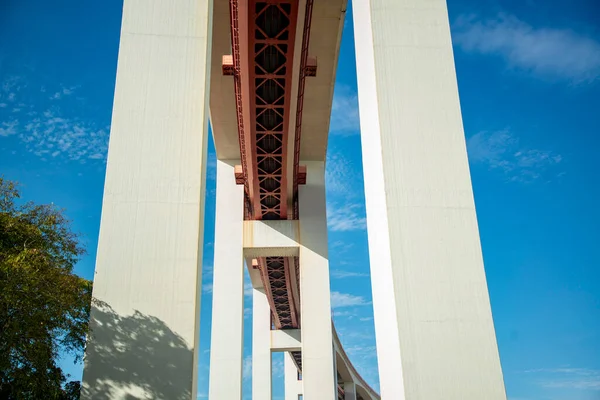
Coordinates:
[293,386]
[227,336]
[318,364]
[261,346]
[434,329]
[146,310]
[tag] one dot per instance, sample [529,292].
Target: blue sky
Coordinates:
[529,80]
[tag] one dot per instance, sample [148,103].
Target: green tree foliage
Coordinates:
[44,306]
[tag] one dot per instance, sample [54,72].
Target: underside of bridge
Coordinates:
[263,80]
[263,73]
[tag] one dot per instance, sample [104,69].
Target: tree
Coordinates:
[44,306]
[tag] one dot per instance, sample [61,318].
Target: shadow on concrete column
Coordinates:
[134,357]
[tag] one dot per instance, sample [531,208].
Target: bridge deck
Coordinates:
[272,79]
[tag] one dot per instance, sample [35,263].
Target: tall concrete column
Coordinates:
[261,346]
[318,366]
[293,386]
[349,391]
[146,310]
[227,337]
[433,322]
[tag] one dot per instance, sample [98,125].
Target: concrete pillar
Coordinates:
[146,312]
[261,346]
[433,322]
[293,386]
[349,391]
[318,367]
[227,337]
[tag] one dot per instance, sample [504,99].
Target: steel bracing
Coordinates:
[263,35]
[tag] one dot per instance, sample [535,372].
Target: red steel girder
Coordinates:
[305,70]
[275,273]
[263,35]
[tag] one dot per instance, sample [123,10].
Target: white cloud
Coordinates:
[339,300]
[344,111]
[12,83]
[278,367]
[247,367]
[345,313]
[8,128]
[211,166]
[571,378]
[248,289]
[502,151]
[347,217]
[340,174]
[51,135]
[340,274]
[560,54]
[62,93]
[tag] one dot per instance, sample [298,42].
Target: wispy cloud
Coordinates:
[344,313]
[346,217]
[571,378]
[340,274]
[559,54]
[62,93]
[278,367]
[10,87]
[344,111]
[502,151]
[341,246]
[340,173]
[50,134]
[247,367]
[248,289]
[9,128]
[345,212]
[339,300]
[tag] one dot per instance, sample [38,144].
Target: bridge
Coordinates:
[263,72]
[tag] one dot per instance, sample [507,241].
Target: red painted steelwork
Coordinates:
[263,37]
[239,53]
[271,42]
[303,74]
[275,275]
[264,277]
